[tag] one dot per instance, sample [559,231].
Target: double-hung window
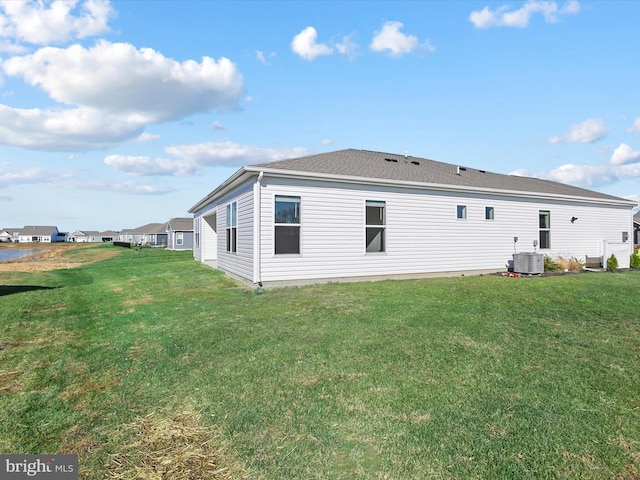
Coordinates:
[545,228]
[375,226]
[179,238]
[232,227]
[287,224]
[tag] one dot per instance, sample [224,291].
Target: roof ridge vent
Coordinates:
[394,160]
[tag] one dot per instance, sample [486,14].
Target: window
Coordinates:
[375,218]
[232,227]
[462,211]
[197,231]
[287,223]
[545,229]
[488,213]
[179,238]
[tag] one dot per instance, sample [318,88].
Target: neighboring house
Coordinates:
[636,229]
[158,236]
[40,234]
[108,236]
[85,236]
[180,234]
[11,234]
[140,235]
[7,234]
[355,214]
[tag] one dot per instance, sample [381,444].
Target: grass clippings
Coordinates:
[176,447]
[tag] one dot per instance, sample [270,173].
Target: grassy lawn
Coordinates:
[149,362]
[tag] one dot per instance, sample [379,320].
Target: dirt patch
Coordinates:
[54,256]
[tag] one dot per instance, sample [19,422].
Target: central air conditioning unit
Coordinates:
[528,263]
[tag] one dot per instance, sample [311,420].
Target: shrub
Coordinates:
[550,265]
[612,263]
[571,265]
[635,259]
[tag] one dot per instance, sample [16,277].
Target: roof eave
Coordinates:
[433,186]
[233,181]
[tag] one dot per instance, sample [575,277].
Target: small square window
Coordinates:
[488,213]
[462,211]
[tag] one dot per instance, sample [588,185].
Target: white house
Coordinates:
[356,214]
[38,234]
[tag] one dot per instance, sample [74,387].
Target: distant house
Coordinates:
[140,235]
[636,229]
[357,214]
[158,236]
[108,236]
[84,236]
[10,234]
[40,234]
[180,234]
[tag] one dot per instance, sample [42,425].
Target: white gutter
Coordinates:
[257,220]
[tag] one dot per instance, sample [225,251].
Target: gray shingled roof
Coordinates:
[393,167]
[37,230]
[180,224]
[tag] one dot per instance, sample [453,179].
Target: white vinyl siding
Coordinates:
[240,262]
[421,233]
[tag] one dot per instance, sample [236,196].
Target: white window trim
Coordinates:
[383,227]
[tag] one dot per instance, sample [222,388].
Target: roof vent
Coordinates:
[391,160]
[460,169]
[415,162]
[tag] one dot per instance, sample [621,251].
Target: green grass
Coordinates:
[469,377]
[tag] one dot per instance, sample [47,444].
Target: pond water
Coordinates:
[13,254]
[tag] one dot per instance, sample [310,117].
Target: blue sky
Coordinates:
[117,114]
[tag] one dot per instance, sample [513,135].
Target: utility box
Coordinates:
[528,263]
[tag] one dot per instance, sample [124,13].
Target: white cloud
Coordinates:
[189,159]
[390,39]
[588,131]
[64,130]
[588,176]
[229,154]
[218,126]
[12,48]
[131,188]
[118,78]
[306,47]
[45,22]
[503,17]
[34,176]
[143,165]
[260,57]
[347,46]
[635,128]
[624,154]
[113,91]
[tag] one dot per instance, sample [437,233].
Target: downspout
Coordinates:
[257,220]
